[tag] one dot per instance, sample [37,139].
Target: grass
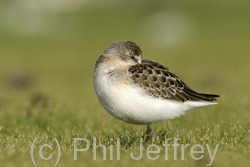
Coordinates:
[55,97]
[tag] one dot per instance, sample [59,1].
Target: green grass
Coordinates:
[57,99]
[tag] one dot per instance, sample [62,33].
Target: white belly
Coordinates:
[131,104]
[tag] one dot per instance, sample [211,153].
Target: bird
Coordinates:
[139,91]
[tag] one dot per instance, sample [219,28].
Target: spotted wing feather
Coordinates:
[160,82]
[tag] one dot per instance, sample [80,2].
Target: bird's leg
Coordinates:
[148,131]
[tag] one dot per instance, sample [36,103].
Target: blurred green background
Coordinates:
[47,54]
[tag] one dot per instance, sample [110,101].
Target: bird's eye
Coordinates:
[133,57]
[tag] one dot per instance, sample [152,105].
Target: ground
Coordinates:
[47,92]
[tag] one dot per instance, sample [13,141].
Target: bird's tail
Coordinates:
[195,96]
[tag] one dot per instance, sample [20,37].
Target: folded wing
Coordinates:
[159,81]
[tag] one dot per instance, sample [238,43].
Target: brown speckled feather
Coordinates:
[160,82]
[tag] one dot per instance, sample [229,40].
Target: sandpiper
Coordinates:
[142,91]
